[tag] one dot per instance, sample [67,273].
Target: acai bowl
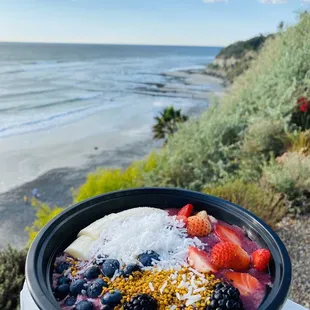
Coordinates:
[157,248]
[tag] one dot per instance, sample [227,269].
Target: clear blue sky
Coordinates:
[170,22]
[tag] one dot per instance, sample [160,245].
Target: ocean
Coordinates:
[47,85]
[67,109]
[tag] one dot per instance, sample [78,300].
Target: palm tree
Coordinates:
[167,123]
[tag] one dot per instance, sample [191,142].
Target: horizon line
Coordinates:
[121,44]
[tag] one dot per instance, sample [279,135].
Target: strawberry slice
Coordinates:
[228,255]
[202,214]
[199,260]
[226,234]
[186,210]
[198,226]
[260,259]
[244,282]
[182,218]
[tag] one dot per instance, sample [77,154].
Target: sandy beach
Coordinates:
[45,160]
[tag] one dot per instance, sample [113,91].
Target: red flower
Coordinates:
[302,100]
[305,107]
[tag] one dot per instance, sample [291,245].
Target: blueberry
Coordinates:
[84,305]
[95,289]
[107,307]
[60,268]
[70,301]
[63,280]
[101,282]
[92,273]
[62,291]
[109,267]
[112,299]
[100,259]
[129,269]
[146,259]
[77,286]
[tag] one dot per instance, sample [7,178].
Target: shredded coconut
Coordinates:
[126,239]
[163,287]
[151,286]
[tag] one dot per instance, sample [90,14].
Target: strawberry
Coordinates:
[244,282]
[182,218]
[198,226]
[226,234]
[228,255]
[186,210]
[260,259]
[202,214]
[199,260]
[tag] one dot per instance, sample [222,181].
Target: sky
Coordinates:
[159,22]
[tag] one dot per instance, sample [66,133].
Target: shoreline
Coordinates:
[89,152]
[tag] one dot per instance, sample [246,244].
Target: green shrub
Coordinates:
[300,142]
[12,276]
[233,72]
[289,174]
[265,137]
[265,203]
[107,180]
[44,214]
[202,151]
[213,66]
[250,167]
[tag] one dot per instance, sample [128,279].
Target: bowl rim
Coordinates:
[43,302]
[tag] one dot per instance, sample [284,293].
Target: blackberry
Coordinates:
[225,297]
[141,302]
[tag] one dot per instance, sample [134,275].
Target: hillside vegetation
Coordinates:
[236,58]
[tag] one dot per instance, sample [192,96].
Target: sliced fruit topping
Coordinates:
[228,255]
[226,234]
[182,218]
[260,259]
[203,214]
[199,260]
[186,210]
[244,282]
[198,226]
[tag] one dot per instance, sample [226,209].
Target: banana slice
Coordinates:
[80,248]
[95,229]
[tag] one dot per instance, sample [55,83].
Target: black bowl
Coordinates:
[63,229]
